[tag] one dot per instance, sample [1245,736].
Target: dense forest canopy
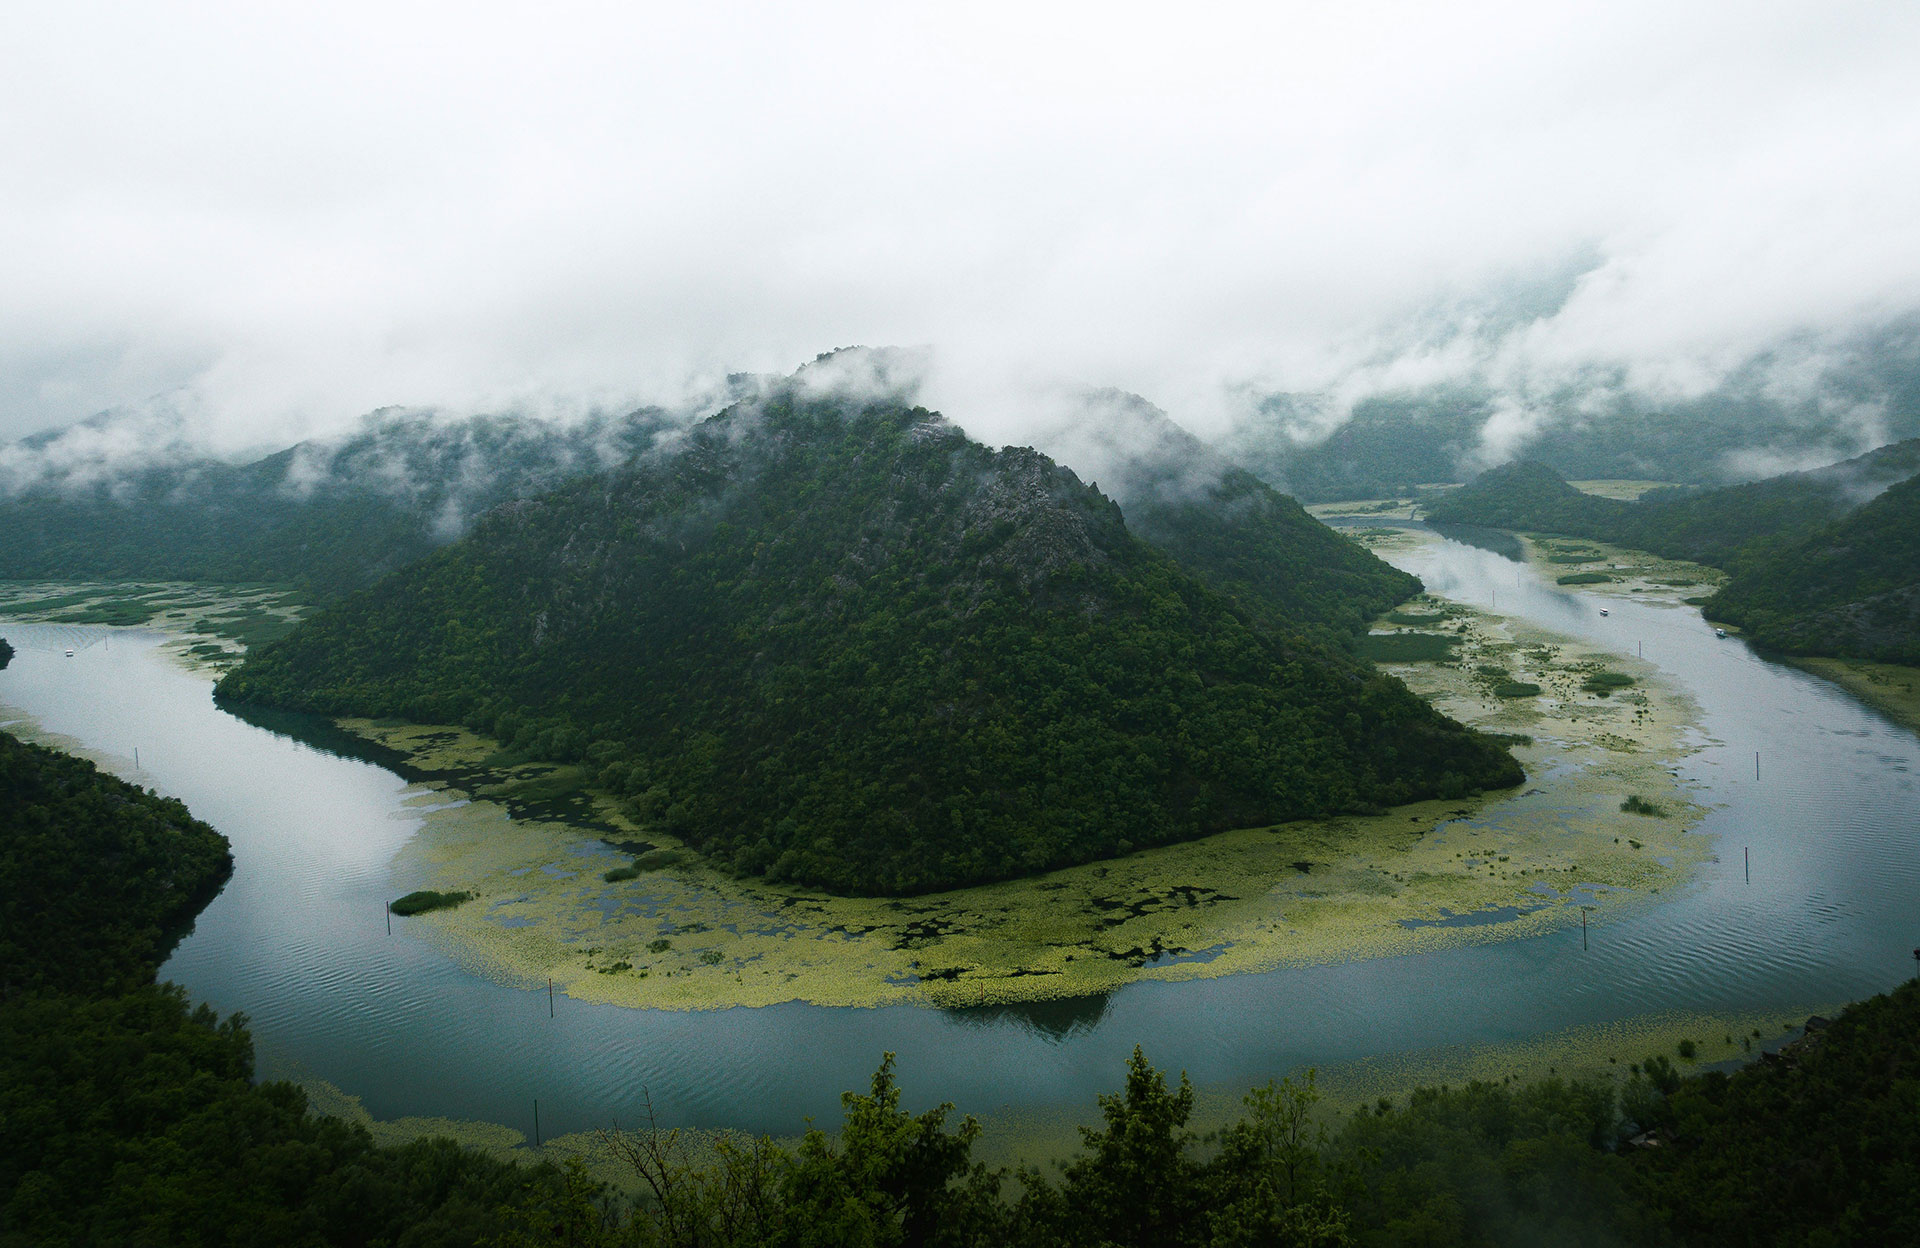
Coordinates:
[1823,562]
[845,645]
[1282,568]
[98,878]
[1850,589]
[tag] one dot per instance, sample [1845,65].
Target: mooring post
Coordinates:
[389,913]
[1756,764]
[136,758]
[1746,855]
[536,1122]
[1583,929]
[549,996]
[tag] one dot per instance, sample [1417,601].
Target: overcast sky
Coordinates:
[283,219]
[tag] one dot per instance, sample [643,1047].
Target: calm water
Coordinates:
[299,942]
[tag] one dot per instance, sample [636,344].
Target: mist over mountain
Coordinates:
[1783,411]
[323,516]
[841,643]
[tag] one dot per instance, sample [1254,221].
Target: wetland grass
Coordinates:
[1407,647]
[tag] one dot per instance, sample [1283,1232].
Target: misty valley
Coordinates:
[620,821]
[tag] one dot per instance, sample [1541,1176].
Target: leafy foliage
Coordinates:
[849,647]
[98,878]
[135,1120]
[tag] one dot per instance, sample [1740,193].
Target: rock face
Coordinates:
[838,642]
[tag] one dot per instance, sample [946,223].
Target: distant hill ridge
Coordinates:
[1825,562]
[838,642]
[326,517]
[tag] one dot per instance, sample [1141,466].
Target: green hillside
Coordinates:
[323,517]
[1851,590]
[849,647]
[1284,569]
[1707,526]
[98,878]
[1817,568]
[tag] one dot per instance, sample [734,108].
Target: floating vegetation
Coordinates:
[1516,689]
[1584,578]
[426,899]
[1637,805]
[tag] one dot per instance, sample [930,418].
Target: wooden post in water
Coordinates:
[1756,764]
[136,758]
[389,913]
[549,996]
[536,1122]
[1583,928]
[1746,856]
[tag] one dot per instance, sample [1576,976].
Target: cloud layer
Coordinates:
[283,221]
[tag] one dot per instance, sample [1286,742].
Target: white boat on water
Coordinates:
[69,654]
[1603,610]
[1719,632]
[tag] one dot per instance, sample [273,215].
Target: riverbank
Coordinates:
[534,842]
[207,626]
[1890,688]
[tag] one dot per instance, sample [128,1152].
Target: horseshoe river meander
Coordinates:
[299,941]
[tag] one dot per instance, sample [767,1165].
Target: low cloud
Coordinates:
[279,222]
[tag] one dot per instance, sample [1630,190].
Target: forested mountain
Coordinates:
[1824,562]
[1284,569]
[1852,589]
[325,517]
[841,643]
[1388,444]
[1706,526]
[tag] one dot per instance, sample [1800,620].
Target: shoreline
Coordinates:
[1430,875]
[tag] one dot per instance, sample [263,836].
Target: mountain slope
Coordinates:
[1286,570]
[1711,526]
[325,517]
[1852,589]
[845,645]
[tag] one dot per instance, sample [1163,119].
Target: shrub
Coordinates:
[1604,683]
[1637,805]
[427,899]
[1584,578]
[1516,689]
